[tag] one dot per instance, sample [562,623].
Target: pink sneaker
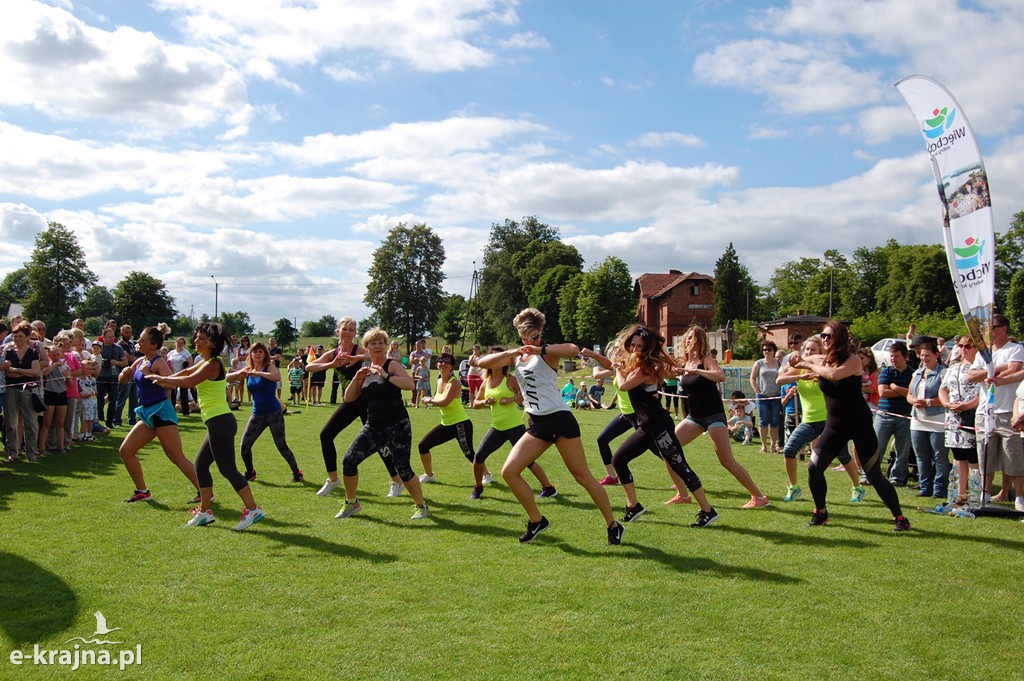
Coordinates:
[757,502]
[680,499]
[609,480]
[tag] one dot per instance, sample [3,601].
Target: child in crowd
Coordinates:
[55,397]
[87,395]
[422,376]
[295,376]
[791,409]
[741,426]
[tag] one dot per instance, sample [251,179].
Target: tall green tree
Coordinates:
[733,286]
[1009,258]
[1015,303]
[14,289]
[237,323]
[568,299]
[325,326]
[405,280]
[451,320]
[142,300]
[605,302]
[284,332]
[544,297]
[869,272]
[58,276]
[918,282]
[789,285]
[98,302]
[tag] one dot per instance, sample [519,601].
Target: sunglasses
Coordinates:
[825,334]
[531,338]
[965,347]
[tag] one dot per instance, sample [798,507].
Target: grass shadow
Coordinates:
[442,523]
[37,603]
[293,540]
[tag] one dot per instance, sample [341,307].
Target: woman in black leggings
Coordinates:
[387,423]
[346,360]
[848,418]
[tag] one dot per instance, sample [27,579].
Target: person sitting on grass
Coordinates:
[741,427]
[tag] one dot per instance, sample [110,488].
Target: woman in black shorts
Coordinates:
[849,418]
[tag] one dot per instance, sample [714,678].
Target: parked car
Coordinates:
[881,351]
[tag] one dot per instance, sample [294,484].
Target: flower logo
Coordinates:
[968,256]
[940,122]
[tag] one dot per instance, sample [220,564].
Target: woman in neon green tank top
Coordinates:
[500,391]
[455,423]
[208,376]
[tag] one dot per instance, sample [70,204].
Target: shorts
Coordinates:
[158,415]
[55,399]
[423,386]
[708,422]
[968,454]
[1004,452]
[769,411]
[550,427]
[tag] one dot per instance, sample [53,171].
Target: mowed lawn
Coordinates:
[758,595]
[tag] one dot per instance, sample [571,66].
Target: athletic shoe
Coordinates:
[757,502]
[609,480]
[705,519]
[818,518]
[250,476]
[424,479]
[478,491]
[420,512]
[793,492]
[328,487]
[349,509]
[901,524]
[396,489]
[533,529]
[140,495]
[197,499]
[200,518]
[548,492]
[297,476]
[857,494]
[680,499]
[632,513]
[250,517]
[1018,504]
[615,532]
[488,478]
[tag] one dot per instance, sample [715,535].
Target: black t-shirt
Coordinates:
[25,362]
[275,356]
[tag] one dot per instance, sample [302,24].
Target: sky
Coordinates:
[270,145]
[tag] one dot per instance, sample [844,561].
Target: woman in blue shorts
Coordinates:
[157,418]
[705,411]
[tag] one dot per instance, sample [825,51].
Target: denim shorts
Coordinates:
[708,422]
[769,411]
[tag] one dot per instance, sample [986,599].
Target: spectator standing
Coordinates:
[178,359]
[127,393]
[960,398]
[892,420]
[112,359]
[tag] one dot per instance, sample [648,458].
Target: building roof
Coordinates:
[655,285]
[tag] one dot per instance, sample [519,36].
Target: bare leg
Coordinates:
[138,437]
[575,460]
[170,440]
[523,453]
[720,438]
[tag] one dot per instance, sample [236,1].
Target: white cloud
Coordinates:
[525,41]
[758,132]
[20,223]
[657,140]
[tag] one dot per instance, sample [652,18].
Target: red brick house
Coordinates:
[671,302]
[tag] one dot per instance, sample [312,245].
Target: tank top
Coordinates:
[844,403]
[647,405]
[264,395]
[503,416]
[625,405]
[348,372]
[384,405]
[213,399]
[149,392]
[24,363]
[811,401]
[453,412]
[702,398]
[539,383]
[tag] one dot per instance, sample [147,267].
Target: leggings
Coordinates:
[393,441]
[341,419]
[219,446]
[832,441]
[255,427]
[439,434]
[495,438]
[620,425]
[664,443]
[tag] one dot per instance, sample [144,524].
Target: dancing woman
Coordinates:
[848,418]
[624,422]
[641,363]
[387,423]
[705,412]
[455,423]
[500,392]
[346,359]
[157,418]
[261,377]
[208,376]
[550,422]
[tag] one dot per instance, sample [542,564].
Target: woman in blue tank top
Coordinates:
[261,377]
[157,418]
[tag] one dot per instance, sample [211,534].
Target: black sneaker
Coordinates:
[533,529]
[615,533]
[633,512]
[250,475]
[296,476]
[548,492]
[818,518]
[902,524]
[705,519]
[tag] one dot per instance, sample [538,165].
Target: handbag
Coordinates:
[37,403]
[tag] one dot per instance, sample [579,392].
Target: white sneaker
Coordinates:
[1018,504]
[396,489]
[328,487]
[427,478]
[488,478]
[200,518]
[250,517]
[420,512]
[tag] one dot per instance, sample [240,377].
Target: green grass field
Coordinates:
[758,595]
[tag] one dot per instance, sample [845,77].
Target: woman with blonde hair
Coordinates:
[550,422]
[641,363]
[705,411]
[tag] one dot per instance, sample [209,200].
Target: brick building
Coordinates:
[671,302]
[778,330]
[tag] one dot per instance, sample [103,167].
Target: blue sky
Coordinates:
[273,143]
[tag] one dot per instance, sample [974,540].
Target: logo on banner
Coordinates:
[941,121]
[970,254]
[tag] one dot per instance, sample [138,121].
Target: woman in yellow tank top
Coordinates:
[500,391]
